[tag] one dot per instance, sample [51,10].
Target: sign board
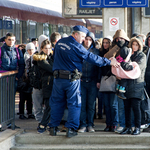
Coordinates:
[7,24]
[146,11]
[113,23]
[71,9]
[113,3]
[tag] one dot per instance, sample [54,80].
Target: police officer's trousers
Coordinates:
[65,92]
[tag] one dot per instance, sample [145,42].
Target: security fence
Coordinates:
[7,99]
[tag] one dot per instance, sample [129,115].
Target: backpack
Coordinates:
[34,75]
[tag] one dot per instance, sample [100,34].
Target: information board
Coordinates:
[113,3]
[7,24]
[71,9]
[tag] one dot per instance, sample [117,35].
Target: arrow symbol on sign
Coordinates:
[69,8]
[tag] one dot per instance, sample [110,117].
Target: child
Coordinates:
[125,62]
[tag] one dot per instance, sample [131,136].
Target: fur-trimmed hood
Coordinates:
[39,57]
[121,33]
[135,39]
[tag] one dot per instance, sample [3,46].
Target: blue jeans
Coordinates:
[121,112]
[88,99]
[111,108]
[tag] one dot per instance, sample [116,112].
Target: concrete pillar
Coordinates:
[145,25]
[136,20]
[114,12]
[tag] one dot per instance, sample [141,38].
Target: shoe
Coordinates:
[117,88]
[90,129]
[31,116]
[38,126]
[122,89]
[71,132]
[63,129]
[126,131]
[100,116]
[113,128]
[136,131]
[121,95]
[22,117]
[82,130]
[41,129]
[119,129]
[53,131]
[108,128]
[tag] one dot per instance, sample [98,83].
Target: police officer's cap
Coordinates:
[81,29]
[34,39]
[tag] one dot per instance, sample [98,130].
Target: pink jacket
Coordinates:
[133,74]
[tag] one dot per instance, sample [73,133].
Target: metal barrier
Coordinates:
[7,99]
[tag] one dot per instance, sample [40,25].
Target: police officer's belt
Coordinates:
[65,74]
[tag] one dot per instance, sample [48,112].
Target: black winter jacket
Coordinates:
[126,66]
[89,70]
[105,70]
[135,87]
[45,64]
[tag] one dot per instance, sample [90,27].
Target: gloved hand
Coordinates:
[121,43]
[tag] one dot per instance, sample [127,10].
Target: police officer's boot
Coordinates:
[53,131]
[71,132]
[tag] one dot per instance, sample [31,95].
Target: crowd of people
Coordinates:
[60,79]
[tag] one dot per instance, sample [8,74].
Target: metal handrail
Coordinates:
[7,99]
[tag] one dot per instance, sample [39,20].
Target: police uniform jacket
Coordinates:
[69,55]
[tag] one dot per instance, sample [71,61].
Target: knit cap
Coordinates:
[30,46]
[109,38]
[40,40]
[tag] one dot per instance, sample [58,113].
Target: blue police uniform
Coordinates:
[69,55]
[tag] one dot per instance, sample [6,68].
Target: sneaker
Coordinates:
[119,129]
[113,128]
[41,129]
[22,117]
[121,95]
[82,130]
[122,89]
[90,129]
[31,116]
[63,129]
[108,128]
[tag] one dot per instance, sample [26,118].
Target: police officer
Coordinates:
[68,57]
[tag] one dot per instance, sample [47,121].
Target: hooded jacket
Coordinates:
[89,70]
[116,49]
[45,64]
[135,87]
[10,60]
[40,40]
[147,72]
